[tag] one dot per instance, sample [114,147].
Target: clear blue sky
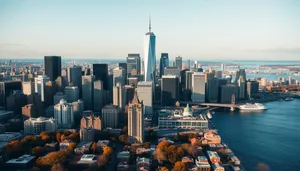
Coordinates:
[194,29]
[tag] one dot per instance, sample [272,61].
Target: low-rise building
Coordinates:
[212,138]
[202,163]
[50,147]
[213,157]
[142,164]
[83,148]
[38,125]
[123,156]
[123,166]
[217,167]
[87,159]
[23,162]
[64,144]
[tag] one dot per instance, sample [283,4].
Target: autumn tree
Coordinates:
[180,166]
[58,136]
[94,147]
[164,169]
[38,151]
[13,148]
[58,167]
[72,145]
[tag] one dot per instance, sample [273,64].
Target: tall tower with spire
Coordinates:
[149,54]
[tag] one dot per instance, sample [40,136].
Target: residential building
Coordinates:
[38,125]
[91,122]
[63,114]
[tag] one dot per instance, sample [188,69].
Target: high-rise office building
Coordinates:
[252,88]
[164,62]
[212,87]
[38,125]
[78,108]
[189,80]
[99,96]
[87,134]
[129,89]
[61,83]
[50,91]
[40,83]
[101,73]
[52,66]
[133,81]
[178,62]
[36,100]
[169,90]
[124,66]
[241,82]
[28,87]
[149,55]
[222,67]
[74,77]
[58,97]
[72,93]
[198,87]
[87,91]
[172,71]
[119,75]
[136,120]
[110,116]
[188,66]
[119,96]
[15,102]
[227,92]
[133,63]
[145,94]
[63,114]
[6,89]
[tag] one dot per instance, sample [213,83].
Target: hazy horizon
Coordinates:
[196,30]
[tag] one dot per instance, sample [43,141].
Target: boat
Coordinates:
[250,106]
[289,99]
[208,115]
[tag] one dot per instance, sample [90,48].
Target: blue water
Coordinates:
[271,137]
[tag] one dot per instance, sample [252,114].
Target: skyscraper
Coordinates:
[28,88]
[72,93]
[110,116]
[119,75]
[52,66]
[119,96]
[99,96]
[74,77]
[100,72]
[164,62]
[63,114]
[178,62]
[136,120]
[252,88]
[133,63]
[188,82]
[149,55]
[212,87]
[40,83]
[7,88]
[169,90]
[87,91]
[198,87]
[241,82]
[124,66]
[145,94]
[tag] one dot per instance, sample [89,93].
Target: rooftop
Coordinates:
[21,160]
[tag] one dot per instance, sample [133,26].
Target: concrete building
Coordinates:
[91,122]
[136,120]
[169,90]
[29,111]
[119,75]
[15,102]
[178,62]
[99,96]
[149,55]
[60,83]
[172,71]
[74,77]
[39,83]
[87,134]
[110,116]
[119,96]
[198,87]
[72,93]
[78,108]
[227,91]
[133,63]
[164,62]
[38,125]
[145,94]
[28,87]
[87,91]
[58,96]
[129,90]
[63,114]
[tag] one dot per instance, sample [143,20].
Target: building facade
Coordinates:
[198,87]
[119,96]
[133,64]
[63,114]
[74,77]
[145,94]
[39,84]
[100,71]
[52,67]
[136,120]
[178,62]
[164,62]
[72,93]
[110,116]
[38,125]
[169,90]
[87,91]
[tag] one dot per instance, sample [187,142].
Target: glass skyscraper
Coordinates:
[149,55]
[164,62]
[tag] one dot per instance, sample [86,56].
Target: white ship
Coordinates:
[250,106]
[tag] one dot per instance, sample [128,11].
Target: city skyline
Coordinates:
[196,30]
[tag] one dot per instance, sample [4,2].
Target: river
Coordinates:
[271,137]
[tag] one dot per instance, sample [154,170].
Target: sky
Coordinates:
[110,29]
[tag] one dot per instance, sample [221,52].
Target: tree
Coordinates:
[38,151]
[58,136]
[13,148]
[107,151]
[74,136]
[72,145]
[164,169]
[123,139]
[94,147]
[180,166]
[58,167]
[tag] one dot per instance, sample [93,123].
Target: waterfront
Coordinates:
[271,137]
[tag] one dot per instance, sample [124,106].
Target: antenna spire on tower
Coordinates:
[149,23]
